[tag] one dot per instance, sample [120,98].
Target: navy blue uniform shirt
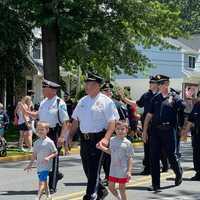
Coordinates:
[164,109]
[145,100]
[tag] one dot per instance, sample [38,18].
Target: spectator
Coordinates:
[4,120]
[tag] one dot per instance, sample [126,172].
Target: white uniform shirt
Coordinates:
[48,111]
[94,114]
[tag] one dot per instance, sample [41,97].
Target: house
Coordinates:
[181,64]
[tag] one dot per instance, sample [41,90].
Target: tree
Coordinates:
[14,42]
[98,34]
[189,13]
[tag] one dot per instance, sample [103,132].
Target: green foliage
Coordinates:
[189,13]
[99,34]
[15,37]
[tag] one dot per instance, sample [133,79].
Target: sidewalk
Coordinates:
[27,156]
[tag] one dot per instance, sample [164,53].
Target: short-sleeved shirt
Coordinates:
[121,151]
[194,116]
[165,109]
[94,114]
[48,111]
[43,148]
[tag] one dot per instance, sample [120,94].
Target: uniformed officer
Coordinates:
[96,116]
[53,110]
[180,120]
[106,89]
[163,116]
[69,103]
[144,102]
[193,120]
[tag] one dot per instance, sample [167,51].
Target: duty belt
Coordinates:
[92,136]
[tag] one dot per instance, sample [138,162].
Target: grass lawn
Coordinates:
[11,134]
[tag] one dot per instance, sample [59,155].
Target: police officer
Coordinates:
[144,102]
[53,110]
[96,115]
[106,89]
[69,104]
[163,116]
[180,120]
[194,119]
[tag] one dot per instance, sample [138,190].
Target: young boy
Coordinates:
[121,151]
[43,152]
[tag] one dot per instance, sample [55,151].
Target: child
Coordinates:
[4,120]
[43,152]
[121,151]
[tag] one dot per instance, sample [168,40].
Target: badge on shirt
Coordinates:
[99,105]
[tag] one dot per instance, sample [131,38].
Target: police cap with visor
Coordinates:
[50,84]
[161,79]
[91,77]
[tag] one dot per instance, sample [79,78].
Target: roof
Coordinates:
[190,45]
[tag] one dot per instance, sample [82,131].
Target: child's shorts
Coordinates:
[117,180]
[43,176]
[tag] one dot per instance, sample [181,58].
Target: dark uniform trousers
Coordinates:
[147,159]
[166,140]
[91,158]
[196,151]
[53,174]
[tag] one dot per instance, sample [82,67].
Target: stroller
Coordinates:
[3,147]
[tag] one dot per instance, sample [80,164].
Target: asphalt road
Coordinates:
[16,184]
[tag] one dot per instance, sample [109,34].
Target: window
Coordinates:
[37,50]
[29,86]
[192,60]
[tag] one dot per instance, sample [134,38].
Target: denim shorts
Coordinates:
[43,176]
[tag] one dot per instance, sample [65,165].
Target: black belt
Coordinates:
[93,136]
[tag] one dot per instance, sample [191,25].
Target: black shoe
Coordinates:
[60,176]
[52,191]
[178,179]
[195,178]
[165,169]
[102,194]
[145,172]
[155,188]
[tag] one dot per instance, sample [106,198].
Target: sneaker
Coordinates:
[21,149]
[105,182]
[49,197]
[29,150]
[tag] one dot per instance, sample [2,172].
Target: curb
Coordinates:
[73,151]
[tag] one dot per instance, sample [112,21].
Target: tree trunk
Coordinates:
[50,58]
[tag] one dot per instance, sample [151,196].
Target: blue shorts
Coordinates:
[43,176]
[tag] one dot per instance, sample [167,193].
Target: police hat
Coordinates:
[93,77]
[175,91]
[161,78]
[152,79]
[50,84]
[107,85]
